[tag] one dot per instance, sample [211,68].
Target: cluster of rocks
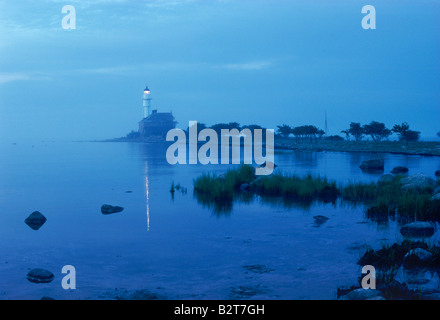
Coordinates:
[420,182]
[415,182]
[35,221]
[417,230]
[389,177]
[415,258]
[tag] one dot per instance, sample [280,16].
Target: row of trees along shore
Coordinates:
[357,132]
[376,130]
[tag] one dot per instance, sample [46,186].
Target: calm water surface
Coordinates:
[175,248]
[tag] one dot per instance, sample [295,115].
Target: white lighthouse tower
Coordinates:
[146,102]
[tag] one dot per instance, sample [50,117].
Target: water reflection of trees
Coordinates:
[225,207]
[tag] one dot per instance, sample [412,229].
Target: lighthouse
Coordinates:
[146,102]
[154,126]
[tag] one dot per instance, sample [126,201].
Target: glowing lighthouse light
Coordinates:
[146,102]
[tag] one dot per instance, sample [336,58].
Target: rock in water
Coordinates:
[417,229]
[417,256]
[372,165]
[319,220]
[107,209]
[417,182]
[399,169]
[40,276]
[364,294]
[35,220]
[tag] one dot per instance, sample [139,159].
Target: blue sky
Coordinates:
[253,62]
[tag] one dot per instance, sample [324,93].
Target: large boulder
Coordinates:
[399,169]
[35,220]
[372,165]
[418,229]
[417,182]
[386,178]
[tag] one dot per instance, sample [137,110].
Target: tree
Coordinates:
[219,126]
[438,133]
[347,134]
[320,133]
[307,131]
[284,130]
[377,130]
[254,127]
[405,134]
[356,130]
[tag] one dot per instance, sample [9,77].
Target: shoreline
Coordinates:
[421,148]
[418,148]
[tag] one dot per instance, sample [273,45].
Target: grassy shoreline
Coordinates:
[426,148]
[381,200]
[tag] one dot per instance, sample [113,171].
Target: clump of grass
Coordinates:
[382,200]
[359,192]
[301,188]
[389,199]
[221,188]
